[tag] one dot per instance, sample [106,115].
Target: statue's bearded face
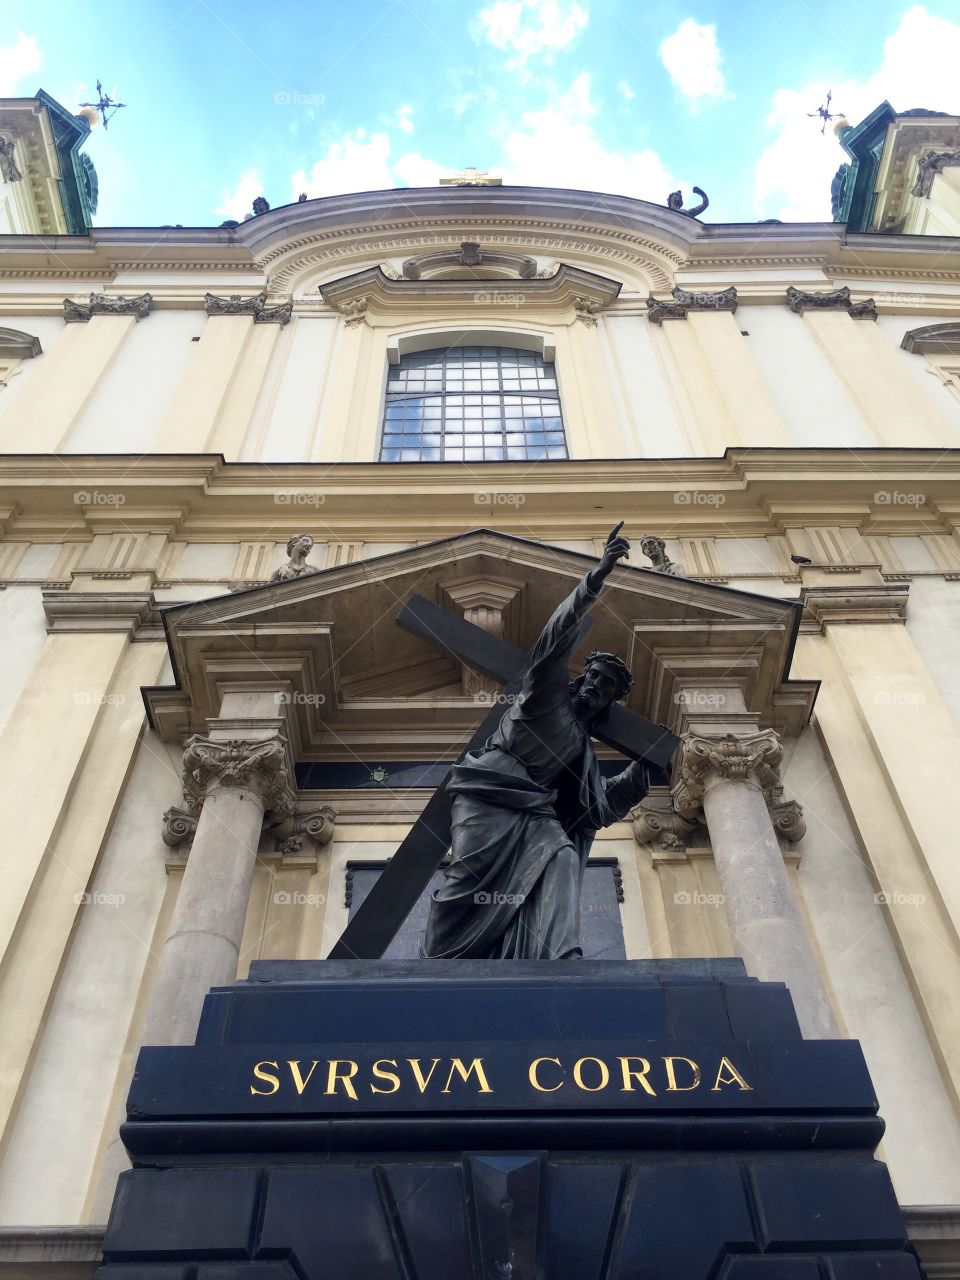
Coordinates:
[599,686]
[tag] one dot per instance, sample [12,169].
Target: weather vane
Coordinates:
[105,106]
[824,113]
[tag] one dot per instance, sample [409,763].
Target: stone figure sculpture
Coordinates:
[655,549]
[675,202]
[298,548]
[527,804]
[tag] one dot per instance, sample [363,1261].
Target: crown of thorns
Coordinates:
[616,665]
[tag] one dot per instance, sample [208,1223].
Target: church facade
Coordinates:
[229,456]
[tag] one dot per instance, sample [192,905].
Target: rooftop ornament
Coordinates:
[675,202]
[104,109]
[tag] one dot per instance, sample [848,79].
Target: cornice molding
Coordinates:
[133,613]
[584,291]
[825,606]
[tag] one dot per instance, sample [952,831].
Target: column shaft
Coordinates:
[762,913]
[204,942]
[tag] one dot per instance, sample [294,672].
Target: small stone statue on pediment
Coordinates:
[298,548]
[655,549]
[675,202]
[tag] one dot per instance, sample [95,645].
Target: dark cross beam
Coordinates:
[408,872]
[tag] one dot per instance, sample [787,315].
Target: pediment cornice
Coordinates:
[351,682]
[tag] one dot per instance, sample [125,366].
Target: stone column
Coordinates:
[730,778]
[228,784]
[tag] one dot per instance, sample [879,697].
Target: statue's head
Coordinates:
[675,200]
[300,542]
[605,679]
[653,548]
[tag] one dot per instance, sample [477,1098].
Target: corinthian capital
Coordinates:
[260,765]
[752,758]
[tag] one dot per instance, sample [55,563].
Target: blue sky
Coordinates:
[232,98]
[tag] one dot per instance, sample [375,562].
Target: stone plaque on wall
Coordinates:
[601,930]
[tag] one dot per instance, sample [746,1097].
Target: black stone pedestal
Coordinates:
[504,1121]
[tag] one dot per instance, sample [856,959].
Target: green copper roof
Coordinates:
[854,188]
[79,187]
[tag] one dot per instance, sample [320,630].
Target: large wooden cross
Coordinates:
[408,872]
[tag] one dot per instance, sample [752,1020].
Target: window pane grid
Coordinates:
[472,404]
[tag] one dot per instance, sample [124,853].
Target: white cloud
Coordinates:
[919,69]
[557,147]
[238,202]
[692,58]
[17,61]
[364,162]
[530,28]
[403,119]
[625,90]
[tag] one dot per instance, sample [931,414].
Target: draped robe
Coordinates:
[526,807]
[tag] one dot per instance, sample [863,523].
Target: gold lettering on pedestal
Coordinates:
[672,1086]
[533,1076]
[422,1081]
[476,1064]
[267,1077]
[733,1076]
[632,1073]
[334,1077]
[298,1081]
[578,1075]
[378,1071]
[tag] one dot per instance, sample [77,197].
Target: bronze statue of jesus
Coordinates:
[527,804]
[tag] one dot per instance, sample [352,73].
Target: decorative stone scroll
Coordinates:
[929,165]
[354,311]
[105,304]
[686,300]
[236,305]
[799,301]
[8,165]
[657,823]
[302,836]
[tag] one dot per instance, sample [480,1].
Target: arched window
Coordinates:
[472,404]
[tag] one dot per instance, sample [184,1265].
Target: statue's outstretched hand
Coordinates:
[616,548]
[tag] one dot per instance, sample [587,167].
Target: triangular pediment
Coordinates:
[353,677]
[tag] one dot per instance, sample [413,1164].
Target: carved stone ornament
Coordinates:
[675,202]
[236,305]
[8,165]
[353,311]
[587,310]
[298,834]
[799,301]
[686,300]
[259,765]
[788,820]
[178,827]
[104,304]
[930,164]
[752,758]
[656,823]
